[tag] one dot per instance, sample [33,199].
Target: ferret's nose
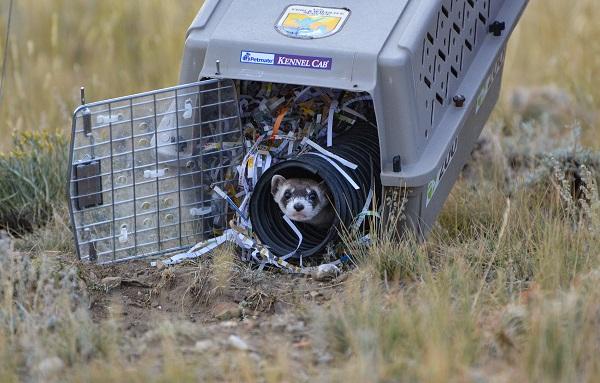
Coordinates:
[299,207]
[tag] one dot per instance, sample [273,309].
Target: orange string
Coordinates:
[278,122]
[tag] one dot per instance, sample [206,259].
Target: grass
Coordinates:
[58,46]
[32,180]
[517,296]
[504,290]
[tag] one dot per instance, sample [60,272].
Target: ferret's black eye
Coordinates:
[312,197]
[287,195]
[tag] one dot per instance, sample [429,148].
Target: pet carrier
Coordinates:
[158,172]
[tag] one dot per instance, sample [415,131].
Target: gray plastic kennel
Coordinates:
[158,172]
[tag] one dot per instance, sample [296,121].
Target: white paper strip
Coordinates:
[339,169]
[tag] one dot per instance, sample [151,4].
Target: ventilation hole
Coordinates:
[468,45]
[471,3]
[439,99]
[426,133]
[442,55]
[483,19]
[445,11]
[429,37]
[427,82]
[432,113]
[447,82]
[462,56]
[456,28]
[475,38]
[454,71]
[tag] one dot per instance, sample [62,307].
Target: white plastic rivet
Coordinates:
[124,234]
[188,109]
[155,173]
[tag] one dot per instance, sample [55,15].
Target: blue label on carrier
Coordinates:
[308,62]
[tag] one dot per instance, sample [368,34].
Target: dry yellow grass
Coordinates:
[111,47]
[120,47]
[557,43]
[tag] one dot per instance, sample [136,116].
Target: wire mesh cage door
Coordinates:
[144,167]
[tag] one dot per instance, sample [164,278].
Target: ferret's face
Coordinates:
[300,199]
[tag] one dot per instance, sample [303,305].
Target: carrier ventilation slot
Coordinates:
[449,47]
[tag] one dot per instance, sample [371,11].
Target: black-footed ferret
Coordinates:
[303,200]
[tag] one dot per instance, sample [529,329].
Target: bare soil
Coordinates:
[267,310]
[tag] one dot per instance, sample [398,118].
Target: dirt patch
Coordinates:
[258,308]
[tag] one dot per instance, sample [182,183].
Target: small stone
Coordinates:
[227,311]
[325,273]
[295,327]
[203,345]
[230,324]
[237,343]
[278,323]
[325,358]
[315,294]
[111,282]
[250,324]
[50,366]
[341,279]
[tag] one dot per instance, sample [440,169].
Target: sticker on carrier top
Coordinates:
[308,22]
[278,59]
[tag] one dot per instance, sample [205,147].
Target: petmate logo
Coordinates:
[258,58]
[308,62]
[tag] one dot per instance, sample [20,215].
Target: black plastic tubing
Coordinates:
[360,146]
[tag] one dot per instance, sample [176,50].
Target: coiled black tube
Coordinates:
[360,146]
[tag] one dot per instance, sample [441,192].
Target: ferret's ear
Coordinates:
[276,183]
[324,189]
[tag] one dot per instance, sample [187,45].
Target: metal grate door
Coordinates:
[144,167]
